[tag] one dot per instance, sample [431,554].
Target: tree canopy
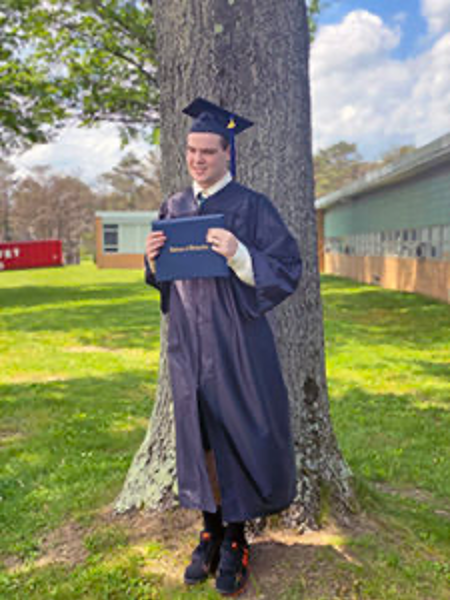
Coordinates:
[81,61]
[133,184]
[341,163]
[337,166]
[44,204]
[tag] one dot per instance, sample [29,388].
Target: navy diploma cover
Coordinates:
[186,253]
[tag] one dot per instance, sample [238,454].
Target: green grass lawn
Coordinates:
[78,359]
[389,380]
[79,355]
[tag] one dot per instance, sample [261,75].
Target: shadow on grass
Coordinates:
[393,438]
[435,369]
[66,447]
[378,316]
[32,295]
[278,571]
[110,324]
[343,292]
[362,565]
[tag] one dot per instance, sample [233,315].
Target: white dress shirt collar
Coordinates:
[214,188]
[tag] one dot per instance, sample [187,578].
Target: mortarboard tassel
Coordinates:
[231,126]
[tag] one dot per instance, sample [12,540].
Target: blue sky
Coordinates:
[380,74]
[393,12]
[380,78]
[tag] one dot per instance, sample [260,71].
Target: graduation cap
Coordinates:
[210,118]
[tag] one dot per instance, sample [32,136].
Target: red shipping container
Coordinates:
[30,255]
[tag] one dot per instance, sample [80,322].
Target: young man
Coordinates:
[235,458]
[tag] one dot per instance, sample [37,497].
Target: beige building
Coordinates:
[120,238]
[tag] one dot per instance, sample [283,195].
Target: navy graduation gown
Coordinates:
[222,357]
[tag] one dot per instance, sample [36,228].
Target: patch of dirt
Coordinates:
[8,437]
[37,378]
[279,558]
[63,545]
[413,493]
[442,513]
[82,349]
[11,563]
[418,495]
[276,567]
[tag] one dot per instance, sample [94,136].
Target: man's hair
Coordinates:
[224,142]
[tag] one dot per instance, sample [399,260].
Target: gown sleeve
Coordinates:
[276,263]
[150,279]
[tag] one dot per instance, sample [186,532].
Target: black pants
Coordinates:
[202,414]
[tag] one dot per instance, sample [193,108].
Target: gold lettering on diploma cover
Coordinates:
[188,248]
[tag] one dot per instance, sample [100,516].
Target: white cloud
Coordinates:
[359,40]
[437,12]
[85,153]
[361,94]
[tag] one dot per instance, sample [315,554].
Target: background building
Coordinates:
[120,238]
[392,227]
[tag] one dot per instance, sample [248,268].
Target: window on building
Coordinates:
[132,238]
[420,250]
[446,242]
[110,238]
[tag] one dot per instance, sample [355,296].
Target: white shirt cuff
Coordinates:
[241,263]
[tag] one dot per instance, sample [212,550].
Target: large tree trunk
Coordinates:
[252,57]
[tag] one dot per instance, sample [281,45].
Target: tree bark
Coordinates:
[252,58]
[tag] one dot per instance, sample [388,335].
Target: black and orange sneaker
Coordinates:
[233,568]
[205,558]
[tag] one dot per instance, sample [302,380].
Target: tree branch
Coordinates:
[122,24]
[151,79]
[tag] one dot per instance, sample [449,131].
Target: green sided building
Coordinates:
[392,227]
[120,238]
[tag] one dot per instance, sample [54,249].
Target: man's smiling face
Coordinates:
[206,158]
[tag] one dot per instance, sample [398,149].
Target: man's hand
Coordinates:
[155,241]
[222,241]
